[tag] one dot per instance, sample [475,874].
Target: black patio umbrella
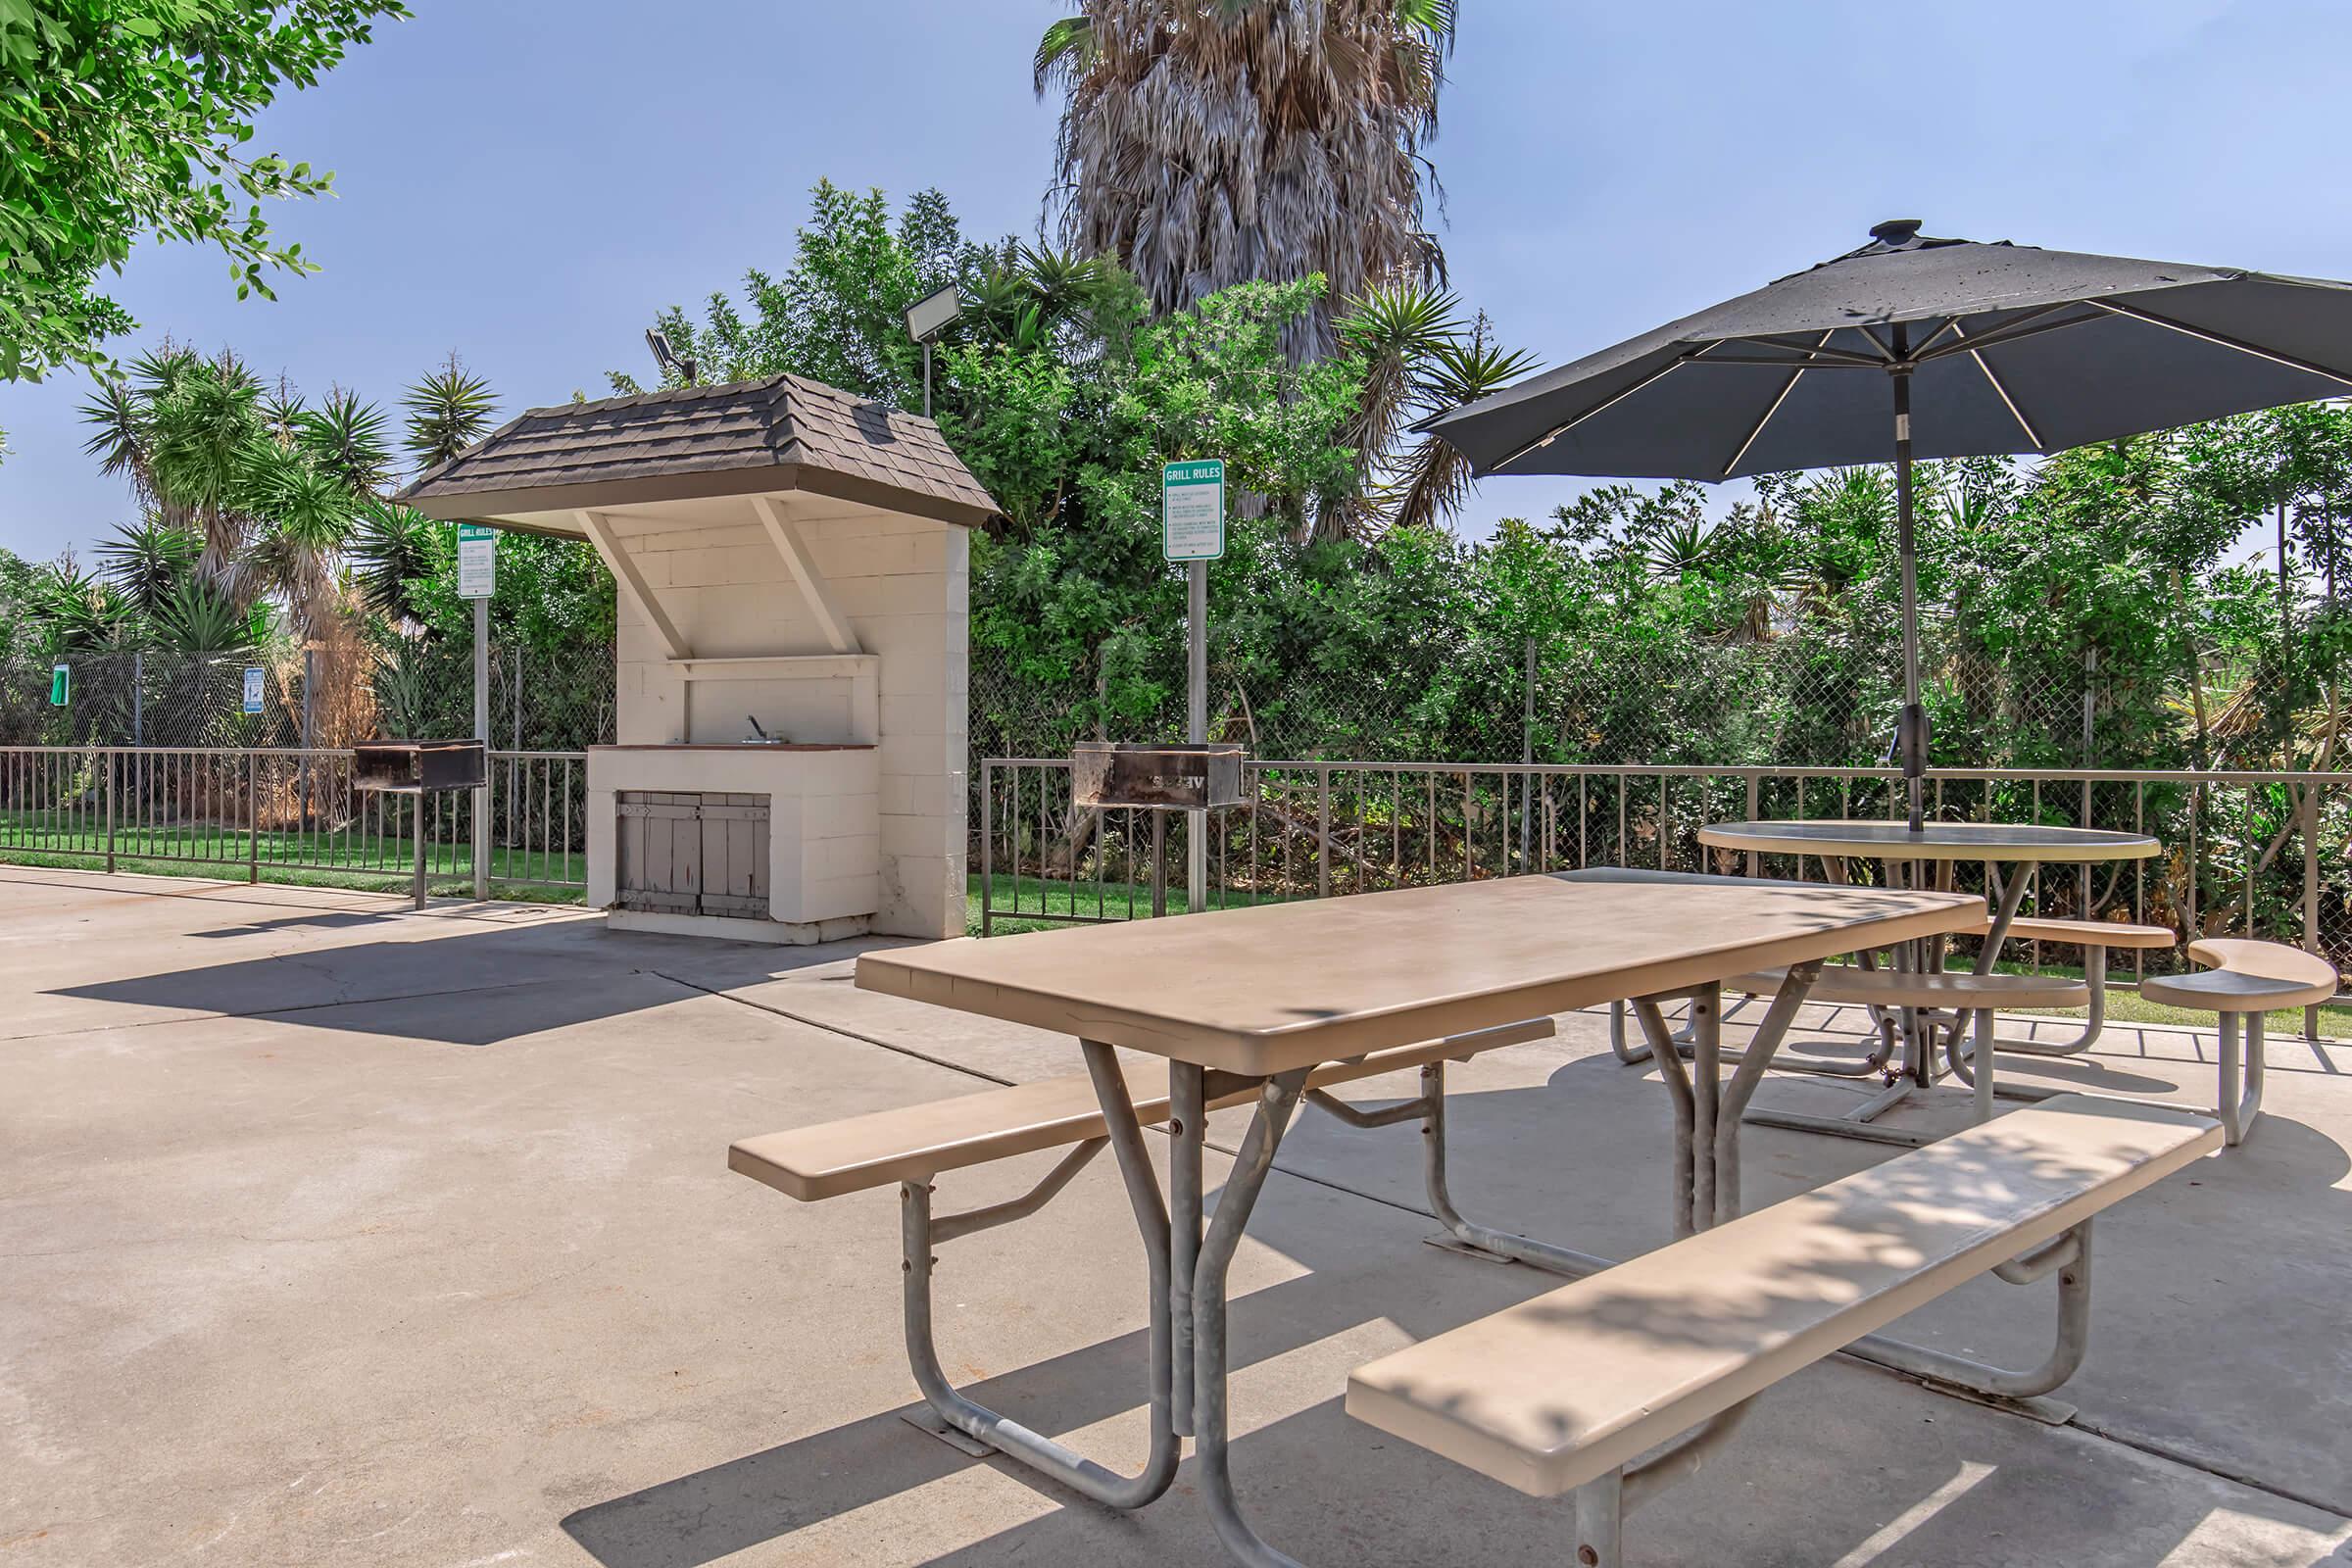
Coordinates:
[1998,348]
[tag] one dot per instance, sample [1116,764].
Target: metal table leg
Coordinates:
[975,1421]
[1187,1126]
[1277,1099]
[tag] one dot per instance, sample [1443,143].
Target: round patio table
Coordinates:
[1871,839]
[1908,857]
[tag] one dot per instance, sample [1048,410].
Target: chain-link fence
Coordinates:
[539,701]
[1798,700]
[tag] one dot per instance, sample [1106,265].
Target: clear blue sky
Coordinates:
[528,183]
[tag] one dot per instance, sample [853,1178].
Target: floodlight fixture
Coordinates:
[667,359]
[931,315]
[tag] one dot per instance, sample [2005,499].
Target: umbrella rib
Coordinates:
[2032,436]
[2030,325]
[1818,350]
[1785,362]
[1951,324]
[2136,314]
[1787,387]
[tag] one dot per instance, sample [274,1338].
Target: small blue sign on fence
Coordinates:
[253,689]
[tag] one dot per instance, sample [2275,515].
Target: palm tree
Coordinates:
[267,488]
[1206,142]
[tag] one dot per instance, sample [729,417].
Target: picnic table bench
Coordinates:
[2243,980]
[1969,996]
[1564,1392]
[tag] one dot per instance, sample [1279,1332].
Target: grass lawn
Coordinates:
[1037,895]
[326,859]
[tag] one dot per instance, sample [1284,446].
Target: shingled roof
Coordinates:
[745,438]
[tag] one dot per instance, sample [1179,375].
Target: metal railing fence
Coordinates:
[274,814]
[2259,854]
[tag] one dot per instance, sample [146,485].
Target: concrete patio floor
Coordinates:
[331,1234]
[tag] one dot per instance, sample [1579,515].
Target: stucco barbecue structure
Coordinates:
[789,559]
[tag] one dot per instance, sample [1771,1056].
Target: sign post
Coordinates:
[251,697]
[60,685]
[477,581]
[1192,529]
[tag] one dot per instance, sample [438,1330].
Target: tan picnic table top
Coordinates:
[1274,987]
[1876,839]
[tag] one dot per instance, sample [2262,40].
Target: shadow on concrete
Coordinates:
[323,920]
[1832,1468]
[703,1517]
[473,986]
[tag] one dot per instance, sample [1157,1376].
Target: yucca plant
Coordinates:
[348,439]
[304,513]
[147,559]
[1428,481]
[198,620]
[83,614]
[1418,359]
[448,411]
[391,548]
[403,694]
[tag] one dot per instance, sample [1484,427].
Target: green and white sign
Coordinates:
[477,560]
[1192,509]
[60,685]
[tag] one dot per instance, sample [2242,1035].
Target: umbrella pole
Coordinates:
[1911,735]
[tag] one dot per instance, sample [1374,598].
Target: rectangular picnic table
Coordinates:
[1260,995]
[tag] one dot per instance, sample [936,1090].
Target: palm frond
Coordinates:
[1205,145]
[1063,51]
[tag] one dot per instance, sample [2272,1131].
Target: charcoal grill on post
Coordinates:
[419,769]
[1189,777]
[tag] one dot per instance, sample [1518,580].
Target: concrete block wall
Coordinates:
[903,583]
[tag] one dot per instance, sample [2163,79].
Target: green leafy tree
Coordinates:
[123,118]
[836,315]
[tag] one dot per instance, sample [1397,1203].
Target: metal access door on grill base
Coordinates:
[687,852]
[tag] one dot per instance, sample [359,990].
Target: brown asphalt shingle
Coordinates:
[785,419]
